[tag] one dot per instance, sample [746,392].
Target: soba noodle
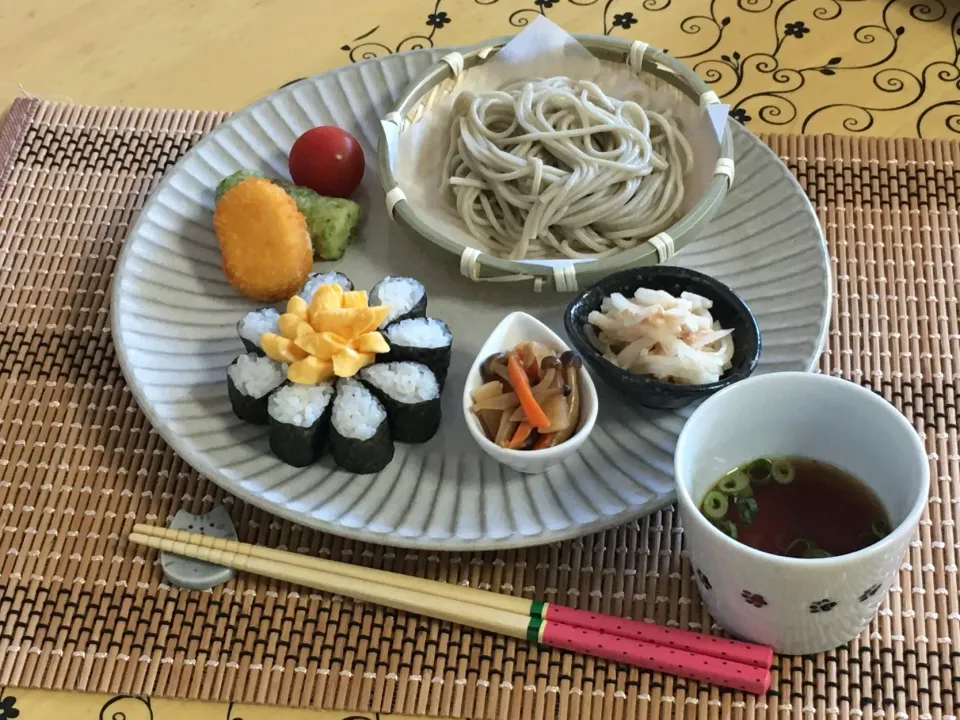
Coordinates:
[556,168]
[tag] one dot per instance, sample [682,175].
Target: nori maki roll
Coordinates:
[254,324]
[299,422]
[359,431]
[316,279]
[422,340]
[406,297]
[250,380]
[411,395]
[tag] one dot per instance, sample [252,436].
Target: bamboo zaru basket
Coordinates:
[656,68]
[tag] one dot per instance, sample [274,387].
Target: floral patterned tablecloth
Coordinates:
[875,67]
[821,66]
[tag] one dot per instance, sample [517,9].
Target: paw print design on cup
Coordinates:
[704,580]
[755,599]
[822,606]
[869,592]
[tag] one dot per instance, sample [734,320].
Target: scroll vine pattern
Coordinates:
[732,71]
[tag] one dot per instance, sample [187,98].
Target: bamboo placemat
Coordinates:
[79,465]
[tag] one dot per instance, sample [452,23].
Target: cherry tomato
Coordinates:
[328,160]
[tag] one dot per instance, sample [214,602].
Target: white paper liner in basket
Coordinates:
[417,143]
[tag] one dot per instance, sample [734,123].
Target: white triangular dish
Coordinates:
[516,328]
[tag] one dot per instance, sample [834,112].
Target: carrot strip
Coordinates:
[545,441]
[521,386]
[520,436]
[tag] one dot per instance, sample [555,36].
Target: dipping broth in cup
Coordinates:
[796,507]
[800,605]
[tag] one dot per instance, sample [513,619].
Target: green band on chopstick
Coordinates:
[533,629]
[536,608]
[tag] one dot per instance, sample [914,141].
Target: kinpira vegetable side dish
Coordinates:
[530,398]
[323,376]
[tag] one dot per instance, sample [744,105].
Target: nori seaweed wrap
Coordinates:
[316,279]
[250,380]
[406,297]
[300,422]
[359,432]
[254,324]
[410,394]
[422,340]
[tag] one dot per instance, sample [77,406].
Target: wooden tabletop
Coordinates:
[813,66]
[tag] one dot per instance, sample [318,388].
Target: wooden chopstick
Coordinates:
[518,625]
[759,656]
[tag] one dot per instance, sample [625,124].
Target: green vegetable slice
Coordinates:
[758,469]
[747,508]
[812,553]
[880,528]
[782,471]
[734,483]
[715,505]
[807,545]
[726,527]
[231,181]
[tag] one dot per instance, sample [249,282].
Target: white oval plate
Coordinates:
[174,318]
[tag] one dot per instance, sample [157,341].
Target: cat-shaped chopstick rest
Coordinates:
[196,574]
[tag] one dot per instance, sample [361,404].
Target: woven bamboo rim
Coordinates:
[480,266]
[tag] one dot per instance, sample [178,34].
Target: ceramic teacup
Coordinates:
[799,606]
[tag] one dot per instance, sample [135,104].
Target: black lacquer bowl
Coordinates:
[728,309]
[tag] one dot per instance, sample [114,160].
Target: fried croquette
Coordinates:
[265,247]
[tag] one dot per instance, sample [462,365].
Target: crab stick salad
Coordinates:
[335,335]
[530,397]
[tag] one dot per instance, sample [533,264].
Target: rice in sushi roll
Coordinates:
[250,380]
[422,340]
[316,279]
[410,394]
[406,297]
[359,432]
[254,324]
[299,422]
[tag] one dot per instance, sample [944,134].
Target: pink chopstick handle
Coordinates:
[702,668]
[759,656]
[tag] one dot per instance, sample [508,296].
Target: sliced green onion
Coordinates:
[782,471]
[747,508]
[726,527]
[734,483]
[758,469]
[812,553]
[880,528]
[715,505]
[807,544]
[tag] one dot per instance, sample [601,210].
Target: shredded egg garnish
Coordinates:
[335,335]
